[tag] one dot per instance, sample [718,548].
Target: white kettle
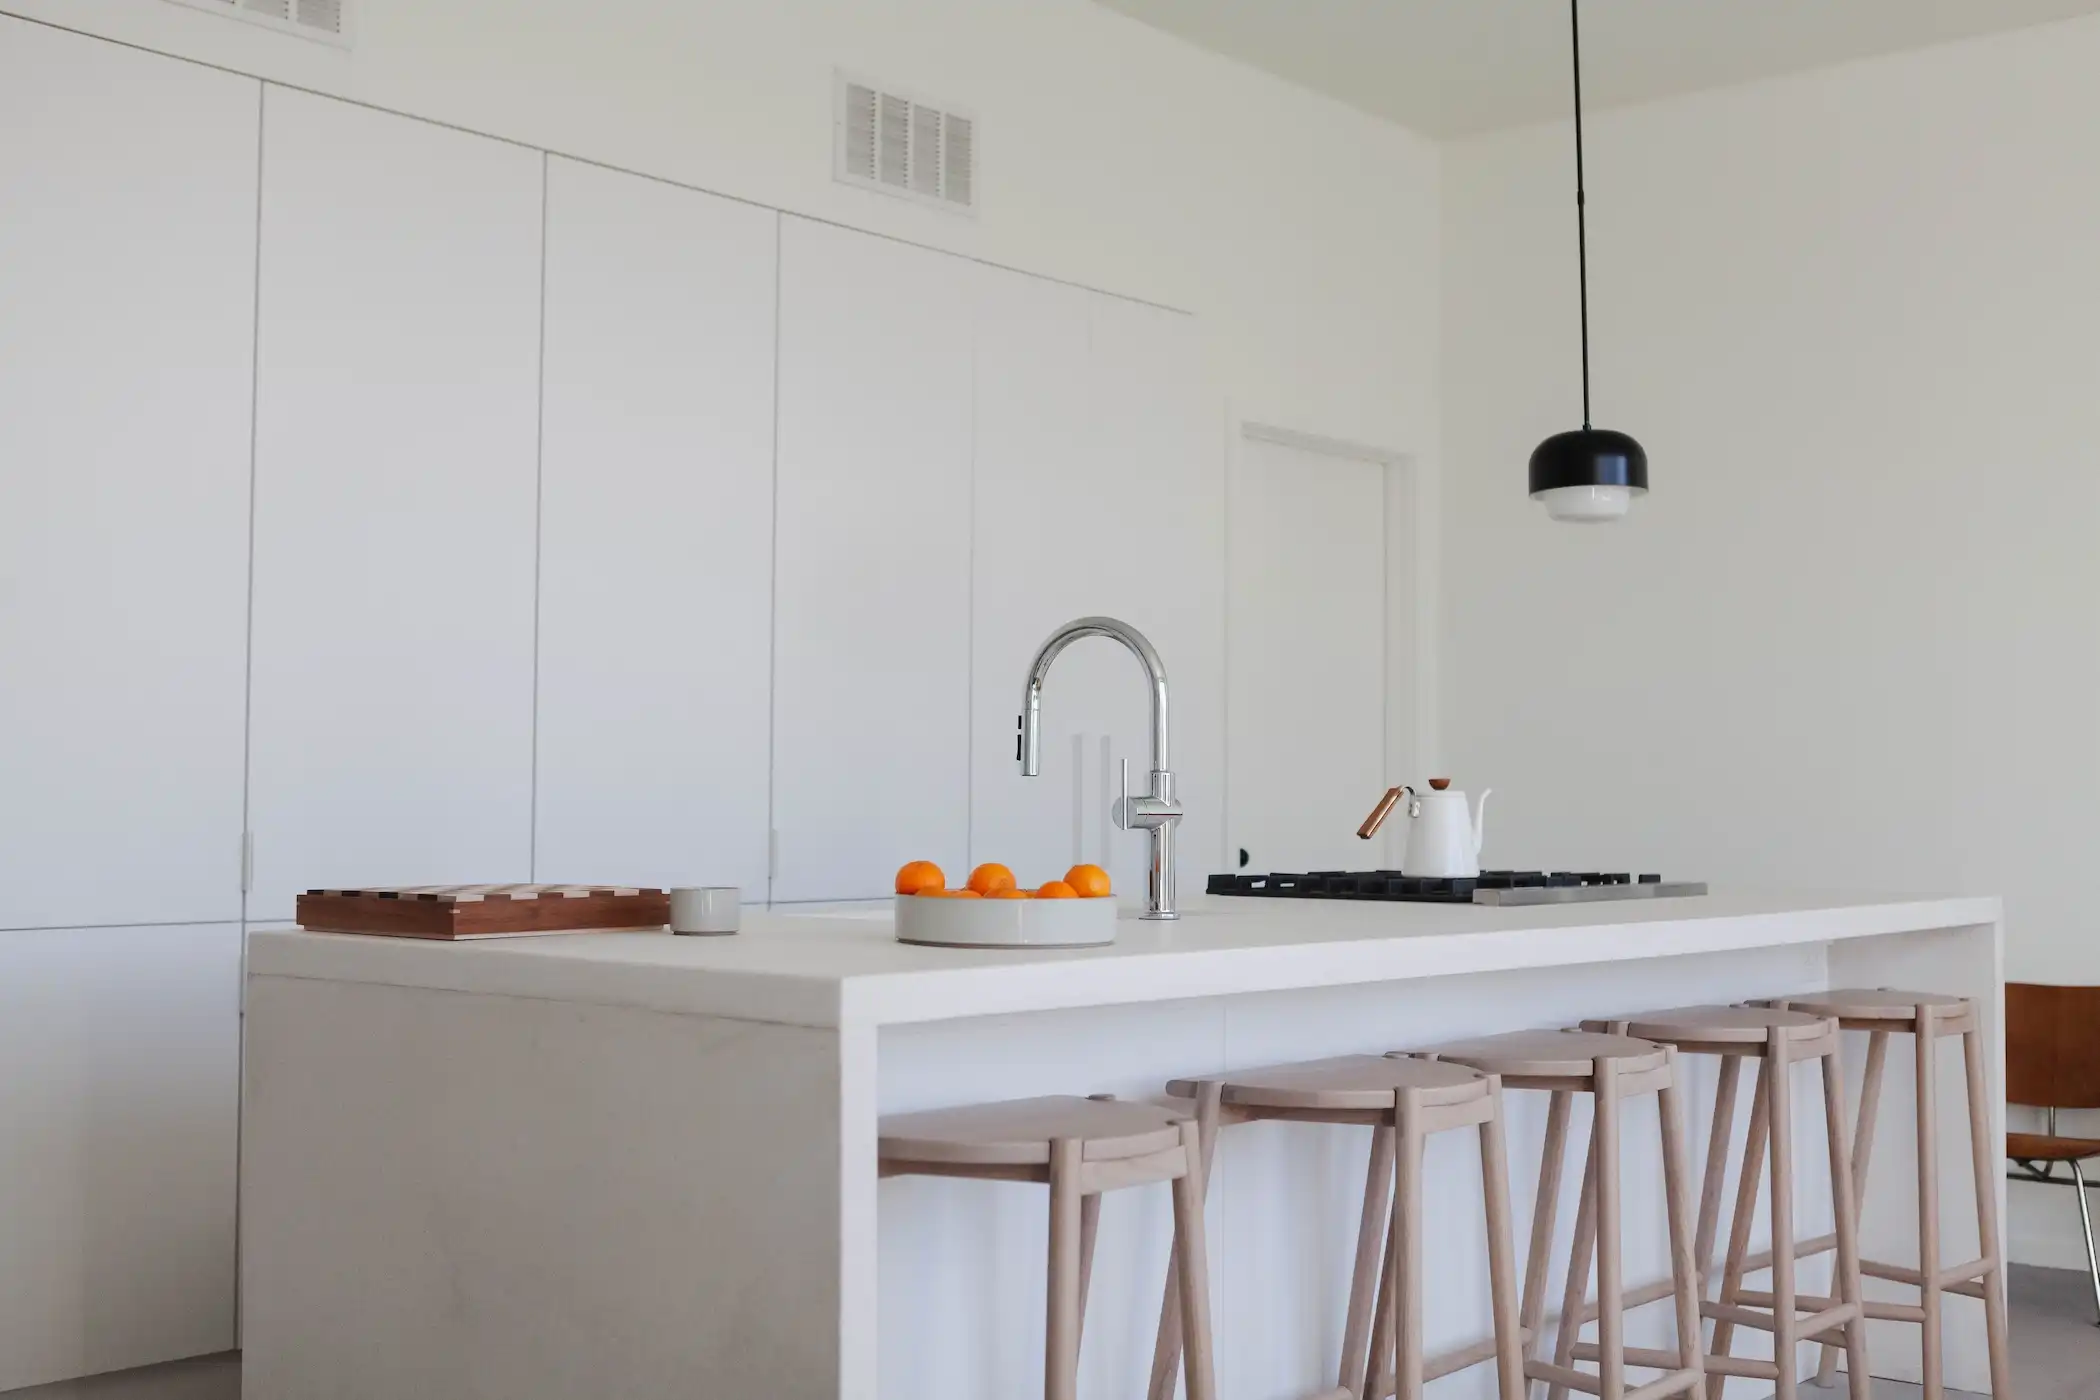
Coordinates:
[1443,837]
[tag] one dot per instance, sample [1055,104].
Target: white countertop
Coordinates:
[831,969]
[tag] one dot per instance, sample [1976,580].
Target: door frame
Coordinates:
[1410,577]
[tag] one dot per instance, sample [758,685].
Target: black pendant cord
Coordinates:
[1582,232]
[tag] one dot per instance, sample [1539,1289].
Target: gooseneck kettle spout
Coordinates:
[1155,813]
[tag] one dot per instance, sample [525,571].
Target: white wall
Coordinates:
[1853,636]
[1302,231]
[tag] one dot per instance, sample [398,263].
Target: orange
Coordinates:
[962,894]
[987,878]
[1009,892]
[919,876]
[1057,889]
[936,894]
[1088,881]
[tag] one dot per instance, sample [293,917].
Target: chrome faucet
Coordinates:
[1156,812]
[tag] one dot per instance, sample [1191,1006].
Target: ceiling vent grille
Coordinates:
[325,20]
[902,146]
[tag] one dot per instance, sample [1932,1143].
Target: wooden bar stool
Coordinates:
[1079,1148]
[1777,1040]
[1611,1069]
[1404,1102]
[1925,1017]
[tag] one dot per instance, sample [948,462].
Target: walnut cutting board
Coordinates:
[482,911]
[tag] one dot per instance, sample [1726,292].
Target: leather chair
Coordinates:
[2052,1062]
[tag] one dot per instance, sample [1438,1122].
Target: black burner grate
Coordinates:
[1394,885]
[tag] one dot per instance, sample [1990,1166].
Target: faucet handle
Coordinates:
[1121,811]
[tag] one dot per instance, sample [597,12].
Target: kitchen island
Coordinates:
[639,1165]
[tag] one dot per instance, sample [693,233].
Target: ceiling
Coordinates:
[1456,67]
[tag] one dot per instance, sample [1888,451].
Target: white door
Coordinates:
[1099,490]
[127,277]
[656,538]
[871,710]
[397,423]
[1312,590]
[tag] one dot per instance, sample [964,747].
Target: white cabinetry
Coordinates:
[656,539]
[1099,489]
[871,628]
[127,276]
[118,1134]
[397,425]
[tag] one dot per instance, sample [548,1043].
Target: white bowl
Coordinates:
[1006,923]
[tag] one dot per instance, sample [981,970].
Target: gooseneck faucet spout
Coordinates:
[1155,813]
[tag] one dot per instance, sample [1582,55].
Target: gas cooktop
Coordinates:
[1489,887]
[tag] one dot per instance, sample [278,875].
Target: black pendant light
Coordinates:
[1591,475]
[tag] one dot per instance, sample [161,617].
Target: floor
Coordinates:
[2056,1356]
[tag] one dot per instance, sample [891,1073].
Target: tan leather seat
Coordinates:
[2040,1147]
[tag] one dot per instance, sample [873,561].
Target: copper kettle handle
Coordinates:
[1379,813]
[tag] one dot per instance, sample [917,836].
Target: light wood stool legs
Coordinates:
[1769,1153]
[1982,1278]
[1356,1330]
[1382,1349]
[1167,1346]
[1079,1149]
[1399,1363]
[1598,1225]
[1074,1213]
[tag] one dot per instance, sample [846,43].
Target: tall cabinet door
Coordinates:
[872,628]
[1099,490]
[127,275]
[396,460]
[656,543]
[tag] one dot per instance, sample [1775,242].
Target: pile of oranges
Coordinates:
[995,881]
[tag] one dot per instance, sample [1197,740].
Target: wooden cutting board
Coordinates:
[482,911]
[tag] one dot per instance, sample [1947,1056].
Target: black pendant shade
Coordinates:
[1590,474]
[1588,457]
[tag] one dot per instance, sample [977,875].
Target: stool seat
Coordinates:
[1019,1132]
[1348,1083]
[1860,1006]
[1718,1025]
[1551,1054]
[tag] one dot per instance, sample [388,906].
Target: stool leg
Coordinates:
[1190,1254]
[1611,1287]
[1845,1207]
[1580,1258]
[1684,1270]
[1061,1336]
[1544,1211]
[1502,1265]
[1929,1201]
[1406,1317]
[1862,1152]
[1716,1164]
[1166,1348]
[1786,1311]
[1986,1153]
[1745,1216]
[1363,1281]
[1089,1229]
[1380,1375]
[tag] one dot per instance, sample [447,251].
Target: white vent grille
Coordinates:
[902,146]
[325,20]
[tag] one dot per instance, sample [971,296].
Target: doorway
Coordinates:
[1320,673]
